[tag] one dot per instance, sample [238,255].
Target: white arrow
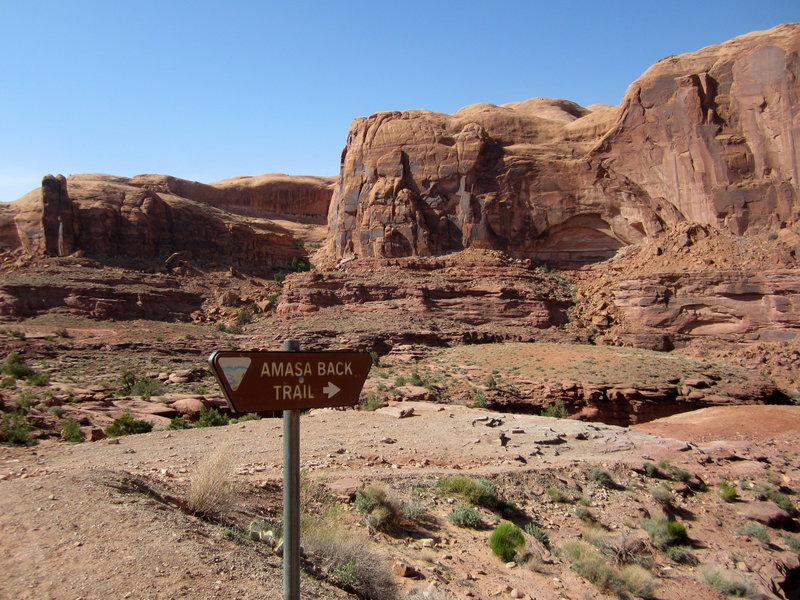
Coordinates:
[331,389]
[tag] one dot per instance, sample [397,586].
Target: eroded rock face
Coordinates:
[710,137]
[153,216]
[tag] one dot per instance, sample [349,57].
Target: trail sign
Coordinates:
[264,381]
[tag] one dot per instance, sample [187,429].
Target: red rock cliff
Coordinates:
[709,136]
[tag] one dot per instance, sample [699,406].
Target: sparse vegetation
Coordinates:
[480,492]
[414,510]
[681,555]
[380,512]
[730,585]
[506,540]
[71,431]
[478,397]
[753,530]
[211,417]
[15,429]
[465,516]
[560,496]
[370,401]
[146,388]
[603,478]
[557,410]
[764,491]
[727,492]
[665,532]
[792,541]
[16,367]
[638,581]
[61,332]
[209,486]
[178,423]
[127,425]
[536,532]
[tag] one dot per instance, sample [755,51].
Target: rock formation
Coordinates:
[708,137]
[152,217]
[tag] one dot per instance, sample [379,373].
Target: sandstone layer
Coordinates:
[708,137]
[230,223]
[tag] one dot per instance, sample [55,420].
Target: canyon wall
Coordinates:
[230,223]
[709,137]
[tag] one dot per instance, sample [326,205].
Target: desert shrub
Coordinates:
[38,379]
[8,383]
[127,379]
[727,492]
[793,541]
[25,401]
[480,492]
[591,566]
[376,359]
[209,484]
[638,581]
[681,555]
[265,529]
[58,411]
[147,387]
[61,332]
[490,381]
[557,409]
[15,429]
[370,402]
[618,549]
[560,496]
[478,398]
[400,381]
[245,316]
[348,559]
[127,425]
[71,431]
[664,532]
[299,265]
[535,532]
[585,515]
[465,516]
[505,540]
[757,532]
[764,491]
[211,417]
[178,423]
[246,417]
[651,470]
[16,367]
[380,512]
[730,585]
[603,478]
[414,510]
[663,495]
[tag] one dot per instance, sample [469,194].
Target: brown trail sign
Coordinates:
[268,381]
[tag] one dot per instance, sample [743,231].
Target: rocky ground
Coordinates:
[71,511]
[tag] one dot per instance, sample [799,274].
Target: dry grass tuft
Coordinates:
[209,486]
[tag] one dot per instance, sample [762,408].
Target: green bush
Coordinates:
[147,387]
[25,401]
[465,516]
[591,566]
[764,491]
[727,492]
[651,470]
[211,417]
[585,515]
[299,265]
[535,532]
[15,429]
[127,379]
[178,423]
[380,512]
[8,383]
[557,410]
[664,532]
[16,367]
[246,417]
[58,411]
[478,398]
[61,332]
[71,431]
[376,359]
[662,495]
[480,492]
[38,379]
[127,425]
[506,540]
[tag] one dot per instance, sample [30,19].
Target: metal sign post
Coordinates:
[291,495]
[290,381]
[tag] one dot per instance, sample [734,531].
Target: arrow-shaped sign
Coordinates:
[331,390]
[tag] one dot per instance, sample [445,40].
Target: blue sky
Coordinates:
[208,90]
